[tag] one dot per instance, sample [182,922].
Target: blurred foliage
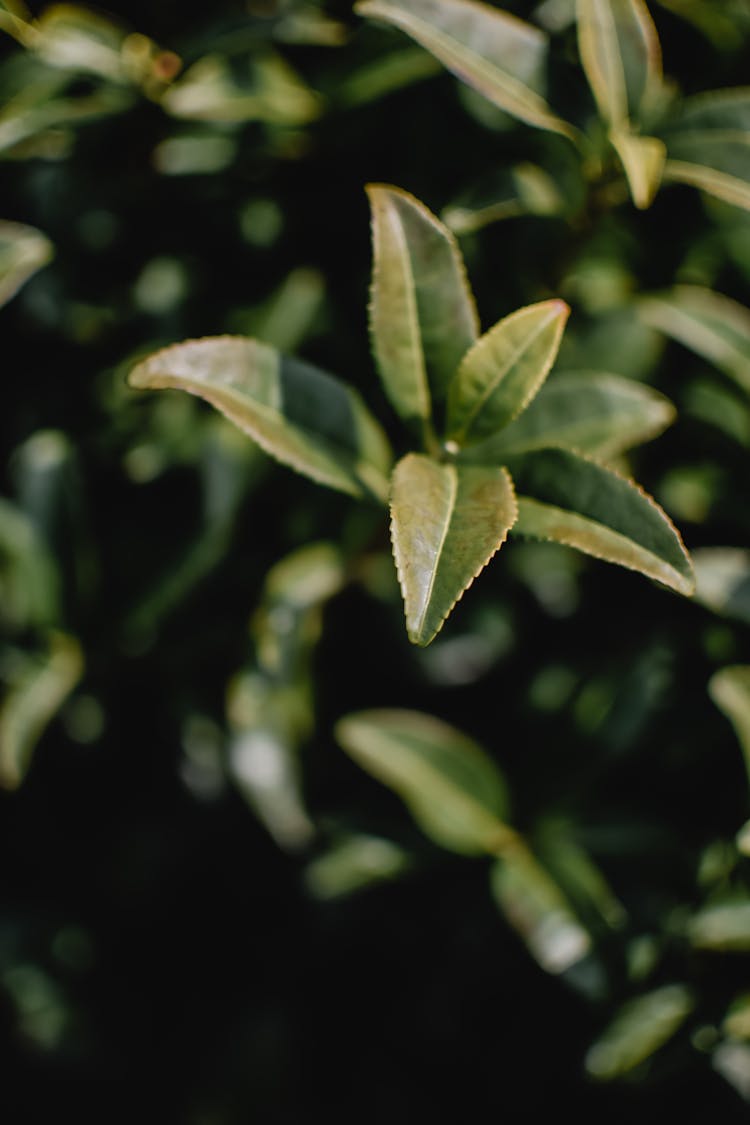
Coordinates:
[207,906]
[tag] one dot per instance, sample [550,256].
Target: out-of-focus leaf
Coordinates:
[23,251]
[454,791]
[730,690]
[714,326]
[643,160]
[76,38]
[638,1030]
[422,314]
[591,412]
[708,144]
[29,581]
[301,416]
[385,75]
[211,91]
[722,580]
[732,1061]
[575,501]
[499,376]
[722,926]
[31,702]
[737,1019]
[353,863]
[528,190]
[289,314]
[536,907]
[496,53]
[577,874]
[621,56]
[447,521]
[14,18]
[721,21]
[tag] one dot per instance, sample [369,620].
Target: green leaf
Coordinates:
[590,412]
[422,314]
[301,416]
[447,521]
[639,1029]
[23,251]
[353,863]
[730,690]
[523,189]
[498,54]
[722,576]
[723,926]
[643,160]
[575,501]
[621,56]
[269,90]
[32,701]
[454,791]
[499,376]
[708,144]
[536,907]
[714,326]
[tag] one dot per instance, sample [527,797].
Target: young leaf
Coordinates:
[536,907]
[574,501]
[498,54]
[590,412]
[639,1028]
[454,791]
[23,251]
[621,56]
[643,160]
[422,314]
[714,326]
[447,521]
[301,416]
[708,144]
[499,376]
[730,690]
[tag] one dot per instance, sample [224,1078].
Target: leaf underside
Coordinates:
[301,416]
[569,499]
[447,521]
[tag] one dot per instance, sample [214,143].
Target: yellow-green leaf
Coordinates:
[499,376]
[621,56]
[643,160]
[498,54]
[639,1029]
[447,521]
[23,251]
[569,499]
[714,326]
[422,314]
[591,412]
[454,791]
[300,415]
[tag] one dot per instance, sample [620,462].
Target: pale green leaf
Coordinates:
[723,926]
[353,863]
[301,416]
[643,160]
[23,251]
[714,326]
[639,1029]
[708,144]
[730,690]
[269,90]
[621,56]
[536,907]
[499,376]
[447,521]
[722,576]
[569,499]
[75,38]
[498,54]
[453,789]
[591,412]
[32,701]
[422,314]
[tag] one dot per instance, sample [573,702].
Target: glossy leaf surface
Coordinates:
[23,251]
[301,416]
[591,412]
[714,326]
[453,789]
[422,314]
[498,54]
[503,371]
[621,55]
[447,521]
[572,500]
